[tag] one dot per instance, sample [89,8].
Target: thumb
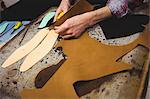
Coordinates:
[60,29]
[56,15]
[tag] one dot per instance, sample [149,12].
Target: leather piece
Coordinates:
[9,35]
[26,49]
[9,27]
[3,27]
[9,32]
[42,50]
[45,20]
[122,27]
[87,60]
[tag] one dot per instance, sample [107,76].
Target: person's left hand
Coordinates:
[75,26]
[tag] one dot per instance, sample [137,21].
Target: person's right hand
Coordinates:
[63,7]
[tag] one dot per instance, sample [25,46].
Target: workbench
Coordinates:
[123,85]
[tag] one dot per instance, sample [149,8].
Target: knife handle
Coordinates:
[18,25]
[60,15]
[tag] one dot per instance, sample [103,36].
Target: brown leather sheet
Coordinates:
[87,59]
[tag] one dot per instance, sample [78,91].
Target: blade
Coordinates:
[43,49]
[27,48]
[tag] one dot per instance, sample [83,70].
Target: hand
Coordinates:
[64,6]
[75,26]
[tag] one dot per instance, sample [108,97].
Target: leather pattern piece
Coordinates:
[46,19]
[36,55]
[27,48]
[8,36]
[87,59]
[126,26]
[9,27]
[3,26]
[10,33]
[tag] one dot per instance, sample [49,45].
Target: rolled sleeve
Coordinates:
[118,8]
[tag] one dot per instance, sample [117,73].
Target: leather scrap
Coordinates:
[122,27]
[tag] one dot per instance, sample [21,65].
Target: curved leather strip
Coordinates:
[3,27]
[8,36]
[87,59]
[43,49]
[45,20]
[9,27]
[27,48]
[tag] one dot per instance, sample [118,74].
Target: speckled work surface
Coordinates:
[12,81]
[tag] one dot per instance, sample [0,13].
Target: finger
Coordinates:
[56,27]
[57,13]
[65,10]
[68,36]
[61,29]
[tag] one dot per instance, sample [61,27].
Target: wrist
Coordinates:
[91,18]
[66,2]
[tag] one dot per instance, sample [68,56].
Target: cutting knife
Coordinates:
[46,39]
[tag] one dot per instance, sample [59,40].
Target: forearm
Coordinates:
[99,15]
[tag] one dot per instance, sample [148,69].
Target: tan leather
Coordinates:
[26,49]
[87,59]
[43,49]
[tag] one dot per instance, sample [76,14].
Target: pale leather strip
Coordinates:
[27,48]
[43,49]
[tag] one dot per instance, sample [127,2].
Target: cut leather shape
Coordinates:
[8,36]
[45,20]
[42,50]
[84,87]
[9,33]
[46,74]
[87,59]
[128,25]
[9,27]
[27,48]
[3,27]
